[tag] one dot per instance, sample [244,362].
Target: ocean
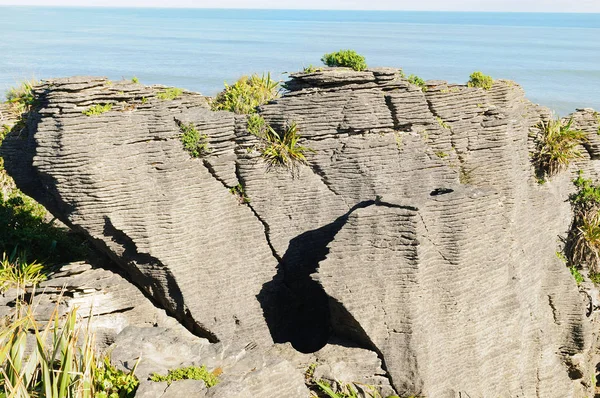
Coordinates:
[555,57]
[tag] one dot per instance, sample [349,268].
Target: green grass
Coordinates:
[312,69]
[21,98]
[557,146]
[478,79]
[441,155]
[188,373]
[57,360]
[278,149]
[245,95]
[16,271]
[239,192]
[135,80]
[582,246]
[576,275]
[169,94]
[97,109]
[442,123]
[345,58]
[417,81]
[193,141]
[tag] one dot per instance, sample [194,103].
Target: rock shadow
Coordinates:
[296,308]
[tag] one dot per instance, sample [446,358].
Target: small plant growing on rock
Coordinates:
[417,81]
[169,94]
[194,142]
[582,245]
[111,382]
[135,80]
[16,271]
[345,58]
[478,79]
[557,145]
[245,95]
[21,98]
[97,109]
[442,123]
[239,192]
[188,373]
[311,69]
[278,148]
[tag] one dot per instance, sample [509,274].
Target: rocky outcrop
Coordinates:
[418,230]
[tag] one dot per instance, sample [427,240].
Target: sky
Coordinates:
[585,6]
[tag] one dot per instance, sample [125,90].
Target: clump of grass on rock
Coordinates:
[188,373]
[169,94]
[478,79]
[582,246]
[193,141]
[417,81]
[96,110]
[278,149]
[345,58]
[245,95]
[557,146]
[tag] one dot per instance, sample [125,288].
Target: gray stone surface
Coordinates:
[417,232]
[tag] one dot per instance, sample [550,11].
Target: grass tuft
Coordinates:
[21,98]
[245,95]
[345,58]
[194,142]
[97,109]
[169,94]
[478,79]
[417,81]
[278,149]
[557,146]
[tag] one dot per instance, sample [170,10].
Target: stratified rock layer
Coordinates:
[418,229]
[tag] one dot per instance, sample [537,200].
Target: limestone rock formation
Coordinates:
[417,231]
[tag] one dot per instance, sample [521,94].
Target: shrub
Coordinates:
[135,80]
[345,58]
[191,373]
[21,98]
[169,94]
[110,382]
[478,79]
[417,81]
[245,95]
[278,149]
[583,241]
[557,146]
[194,142]
[97,109]
[23,226]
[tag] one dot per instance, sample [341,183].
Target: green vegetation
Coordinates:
[191,372]
[478,79]
[595,277]
[582,246]
[557,146]
[15,271]
[417,81]
[21,98]
[169,94]
[312,69]
[442,123]
[110,382]
[278,149]
[144,100]
[97,109]
[135,80]
[245,95]
[23,226]
[441,155]
[194,142]
[239,192]
[57,361]
[345,58]
[576,275]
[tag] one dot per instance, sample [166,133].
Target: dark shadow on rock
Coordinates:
[296,308]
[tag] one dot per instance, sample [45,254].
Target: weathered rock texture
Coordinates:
[418,229]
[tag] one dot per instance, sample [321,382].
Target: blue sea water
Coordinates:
[556,57]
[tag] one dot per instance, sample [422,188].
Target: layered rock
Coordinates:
[417,230]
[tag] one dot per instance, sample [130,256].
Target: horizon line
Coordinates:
[291,9]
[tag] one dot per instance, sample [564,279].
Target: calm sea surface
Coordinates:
[556,57]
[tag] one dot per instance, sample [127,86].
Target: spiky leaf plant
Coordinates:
[557,145]
[245,95]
